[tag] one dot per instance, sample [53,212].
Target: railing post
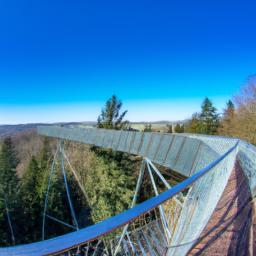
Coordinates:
[47,192]
[9,219]
[163,217]
[138,185]
[66,185]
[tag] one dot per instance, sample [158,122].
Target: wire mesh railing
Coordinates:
[165,224]
[145,235]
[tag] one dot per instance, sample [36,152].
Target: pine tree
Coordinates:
[209,119]
[45,155]
[9,188]
[58,205]
[230,110]
[112,171]
[169,128]
[179,128]
[192,125]
[8,164]
[147,128]
[33,188]
[44,163]
[32,203]
[57,199]
[109,188]
[110,117]
[182,128]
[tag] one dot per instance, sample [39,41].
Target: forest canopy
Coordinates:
[108,178]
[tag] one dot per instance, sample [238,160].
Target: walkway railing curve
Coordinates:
[84,236]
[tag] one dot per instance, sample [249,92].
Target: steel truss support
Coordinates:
[66,186]
[59,152]
[48,190]
[161,209]
[138,185]
[150,166]
[158,173]
[9,219]
[5,199]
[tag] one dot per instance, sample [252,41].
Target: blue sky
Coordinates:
[60,60]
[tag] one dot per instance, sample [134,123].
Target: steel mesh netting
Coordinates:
[168,224]
[186,217]
[145,235]
[199,205]
[247,159]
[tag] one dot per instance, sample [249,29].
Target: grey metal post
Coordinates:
[9,219]
[47,192]
[76,177]
[138,185]
[66,186]
[163,217]
[162,179]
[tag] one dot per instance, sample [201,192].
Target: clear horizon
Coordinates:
[60,61]
[141,111]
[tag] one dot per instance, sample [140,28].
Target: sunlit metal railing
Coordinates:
[165,217]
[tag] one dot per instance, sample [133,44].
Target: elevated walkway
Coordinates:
[218,209]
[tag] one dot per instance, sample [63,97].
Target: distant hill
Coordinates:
[11,130]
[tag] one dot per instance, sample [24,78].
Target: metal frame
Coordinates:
[8,217]
[83,236]
[150,166]
[59,152]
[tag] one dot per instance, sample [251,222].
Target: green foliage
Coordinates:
[8,164]
[192,126]
[226,123]
[230,110]
[179,128]
[111,117]
[110,183]
[45,156]
[209,119]
[34,186]
[32,200]
[147,128]
[33,189]
[206,122]
[169,128]
[110,189]
[57,206]
[9,189]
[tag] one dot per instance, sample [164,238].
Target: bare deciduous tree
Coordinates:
[243,122]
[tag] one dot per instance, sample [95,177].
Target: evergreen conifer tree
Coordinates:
[148,128]
[32,203]
[169,128]
[192,126]
[209,119]
[182,129]
[9,189]
[111,116]
[227,121]
[109,187]
[177,128]
[112,171]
